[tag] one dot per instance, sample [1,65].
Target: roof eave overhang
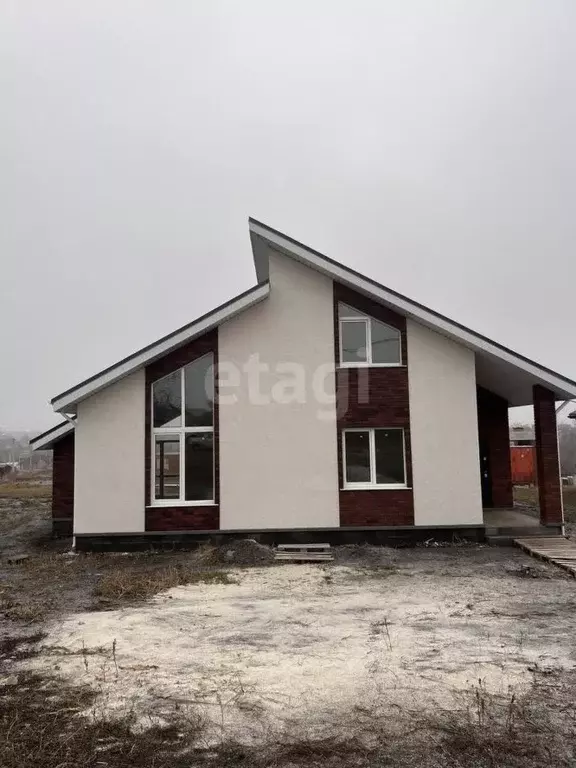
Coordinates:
[67,401]
[262,235]
[48,439]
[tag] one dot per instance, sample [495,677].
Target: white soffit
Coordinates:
[46,440]
[510,363]
[66,401]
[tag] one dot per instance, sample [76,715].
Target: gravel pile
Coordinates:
[236,552]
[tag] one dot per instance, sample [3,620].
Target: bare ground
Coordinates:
[458,656]
[295,646]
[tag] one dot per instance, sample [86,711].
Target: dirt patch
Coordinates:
[45,720]
[72,726]
[366,556]
[235,552]
[26,525]
[372,660]
[19,647]
[287,647]
[531,572]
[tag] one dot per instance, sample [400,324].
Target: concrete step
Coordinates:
[506,537]
[500,541]
[518,531]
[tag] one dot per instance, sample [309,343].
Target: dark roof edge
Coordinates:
[411,301]
[50,431]
[158,341]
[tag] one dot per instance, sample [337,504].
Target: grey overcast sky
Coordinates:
[428,144]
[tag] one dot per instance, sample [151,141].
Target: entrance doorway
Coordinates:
[485,476]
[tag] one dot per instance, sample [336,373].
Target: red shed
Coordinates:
[523,464]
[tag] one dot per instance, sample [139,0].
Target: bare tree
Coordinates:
[567,442]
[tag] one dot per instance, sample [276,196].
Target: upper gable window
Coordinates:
[183,435]
[366,341]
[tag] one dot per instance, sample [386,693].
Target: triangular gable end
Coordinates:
[498,368]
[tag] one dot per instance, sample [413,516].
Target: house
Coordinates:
[522,435]
[318,405]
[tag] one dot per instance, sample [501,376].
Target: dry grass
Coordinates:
[41,725]
[570,501]
[124,585]
[47,584]
[529,495]
[25,490]
[27,611]
[47,722]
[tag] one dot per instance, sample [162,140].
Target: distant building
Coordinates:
[522,435]
[7,468]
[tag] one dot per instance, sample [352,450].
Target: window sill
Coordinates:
[177,503]
[371,365]
[368,487]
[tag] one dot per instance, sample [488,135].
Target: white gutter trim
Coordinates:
[45,441]
[409,308]
[63,402]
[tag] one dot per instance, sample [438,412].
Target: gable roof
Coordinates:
[48,439]
[498,368]
[66,401]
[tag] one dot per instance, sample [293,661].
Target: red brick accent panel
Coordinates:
[373,397]
[547,458]
[494,433]
[394,507]
[182,518]
[63,485]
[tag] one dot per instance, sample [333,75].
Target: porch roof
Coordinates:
[499,369]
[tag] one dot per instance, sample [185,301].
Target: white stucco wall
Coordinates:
[109,459]
[278,462]
[444,429]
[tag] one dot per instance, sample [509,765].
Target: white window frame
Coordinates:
[367,320]
[181,433]
[372,485]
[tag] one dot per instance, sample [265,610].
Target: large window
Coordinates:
[365,341]
[374,458]
[183,435]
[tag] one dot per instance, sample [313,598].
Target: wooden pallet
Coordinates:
[553,549]
[303,552]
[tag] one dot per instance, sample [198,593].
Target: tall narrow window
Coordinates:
[183,434]
[374,458]
[366,341]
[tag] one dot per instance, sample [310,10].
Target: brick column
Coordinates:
[547,458]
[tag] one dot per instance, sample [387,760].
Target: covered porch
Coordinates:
[510,518]
[504,384]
